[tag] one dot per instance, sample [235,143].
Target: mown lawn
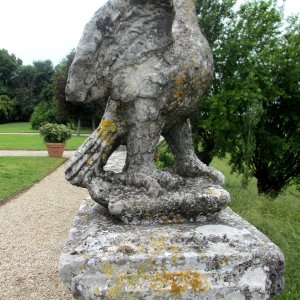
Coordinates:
[17,127]
[18,173]
[33,142]
[279,219]
[22,127]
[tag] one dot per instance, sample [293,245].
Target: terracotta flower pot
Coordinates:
[55,149]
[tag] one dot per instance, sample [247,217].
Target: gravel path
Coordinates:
[33,229]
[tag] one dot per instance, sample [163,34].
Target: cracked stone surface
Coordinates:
[216,257]
[148,64]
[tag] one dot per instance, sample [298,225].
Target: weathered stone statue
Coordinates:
[149,64]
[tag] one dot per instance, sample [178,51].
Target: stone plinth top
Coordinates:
[217,257]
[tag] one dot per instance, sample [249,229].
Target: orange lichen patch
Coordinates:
[106,129]
[159,282]
[180,81]
[179,282]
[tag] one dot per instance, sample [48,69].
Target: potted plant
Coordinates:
[55,137]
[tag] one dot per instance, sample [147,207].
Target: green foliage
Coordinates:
[18,173]
[24,92]
[9,65]
[55,133]
[44,112]
[253,110]
[163,156]
[7,109]
[73,112]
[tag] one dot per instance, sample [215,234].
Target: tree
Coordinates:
[215,18]
[69,111]
[252,111]
[9,65]
[34,84]
[24,92]
[276,159]
[44,72]
[7,109]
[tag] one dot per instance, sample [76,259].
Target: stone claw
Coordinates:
[155,181]
[193,167]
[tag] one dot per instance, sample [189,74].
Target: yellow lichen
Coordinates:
[114,292]
[97,292]
[212,192]
[175,258]
[180,82]
[108,269]
[106,129]
[179,218]
[174,249]
[85,256]
[179,282]
[159,282]
[158,242]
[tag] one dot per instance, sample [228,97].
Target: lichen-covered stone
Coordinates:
[219,256]
[147,63]
[185,201]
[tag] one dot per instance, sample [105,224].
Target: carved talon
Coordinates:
[194,168]
[155,181]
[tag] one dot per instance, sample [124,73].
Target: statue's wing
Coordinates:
[85,67]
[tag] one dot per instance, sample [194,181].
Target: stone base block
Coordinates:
[217,257]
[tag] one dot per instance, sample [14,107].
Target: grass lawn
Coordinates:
[18,173]
[26,127]
[17,127]
[33,142]
[278,219]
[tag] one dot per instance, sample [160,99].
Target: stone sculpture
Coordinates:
[148,63]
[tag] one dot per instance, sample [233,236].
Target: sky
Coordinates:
[50,29]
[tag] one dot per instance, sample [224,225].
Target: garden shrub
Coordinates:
[163,156]
[44,112]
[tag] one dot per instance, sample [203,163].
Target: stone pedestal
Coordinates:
[216,257]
